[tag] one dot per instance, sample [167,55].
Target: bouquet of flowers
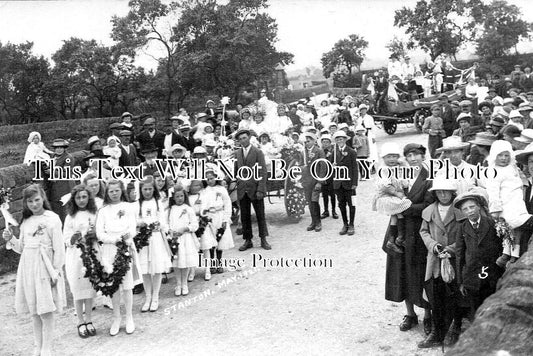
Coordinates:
[220,233]
[142,239]
[174,244]
[504,231]
[291,151]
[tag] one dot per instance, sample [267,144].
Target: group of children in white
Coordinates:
[46,246]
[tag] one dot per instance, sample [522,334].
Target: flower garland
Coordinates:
[220,233]
[107,280]
[5,196]
[174,244]
[504,231]
[142,239]
[295,197]
[202,224]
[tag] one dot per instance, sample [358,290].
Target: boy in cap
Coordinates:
[328,194]
[345,189]
[434,127]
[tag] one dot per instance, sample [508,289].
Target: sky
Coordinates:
[306,28]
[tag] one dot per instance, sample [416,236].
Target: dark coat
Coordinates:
[251,186]
[475,251]
[349,161]
[158,141]
[405,273]
[128,159]
[448,119]
[316,153]
[188,142]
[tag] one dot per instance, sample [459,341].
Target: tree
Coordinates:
[22,83]
[502,28]
[397,47]
[229,47]
[437,27]
[346,53]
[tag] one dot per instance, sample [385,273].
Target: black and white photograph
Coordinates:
[266,177]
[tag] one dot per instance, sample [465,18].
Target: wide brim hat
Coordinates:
[476,193]
[92,140]
[453,143]
[524,107]
[59,142]
[390,148]
[149,149]
[483,139]
[526,136]
[116,126]
[178,147]
[343,126]
[95,155]
[443,184]
[325,137]
[125,114]
[524,154]
[416,147]
[515,114]
[340,134]
[199,150]
[310,135]
[508,101]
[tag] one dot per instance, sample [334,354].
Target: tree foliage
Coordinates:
[437,27]
[22,83]
[501,28]
[397,47]
[346,54]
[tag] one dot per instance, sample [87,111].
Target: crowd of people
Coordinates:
[466,227]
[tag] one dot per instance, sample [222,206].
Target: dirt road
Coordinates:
[336,310]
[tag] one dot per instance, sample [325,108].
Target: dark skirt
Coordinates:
[405,273]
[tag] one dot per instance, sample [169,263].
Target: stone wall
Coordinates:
[505,320]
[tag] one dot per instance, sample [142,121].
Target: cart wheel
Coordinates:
[390,127]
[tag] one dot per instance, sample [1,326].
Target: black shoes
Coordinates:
[311,227]
[247,245]
[427,326]
[318,228]
[351,230]
[408,322]
[265,244]
[334,215]
[432,340]
[138,289]
[344,230]
[324,215]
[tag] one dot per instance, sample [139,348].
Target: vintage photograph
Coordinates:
[266,177]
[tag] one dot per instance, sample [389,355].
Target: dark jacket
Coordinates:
[158,141]
[251,186]
[307,161]
[348,160]
[477,253]
[128,159]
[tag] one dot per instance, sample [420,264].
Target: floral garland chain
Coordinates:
[504,231]
[142,239]
[102,279]
[202,224]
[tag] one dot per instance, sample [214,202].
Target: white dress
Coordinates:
[114,153]
[80,286]
[217,202]
[34,152]
[156,257]
[42,253]
[183,216]
[113,221]
[207,241]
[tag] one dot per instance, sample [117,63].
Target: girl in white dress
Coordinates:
[155,258]
[183,223]
[116,221]
[96,187]
[80,220]
[112,150]
[207,242]
[216,204]
[40,287]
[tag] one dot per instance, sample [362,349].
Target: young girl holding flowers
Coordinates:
[216,205]
[195,200]
[116,222]
[182,225]
[40,288]
[79,222]
[155,258]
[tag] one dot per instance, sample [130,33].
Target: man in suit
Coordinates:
[448,118]
[128,155]
[150,136]
[345,156]
[173,137]
[477,249]
[526,159]
[186,138]
[313,186]
[251,191]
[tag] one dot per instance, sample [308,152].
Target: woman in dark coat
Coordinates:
[405,272]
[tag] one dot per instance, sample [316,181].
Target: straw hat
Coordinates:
[452,143]
[59,142]
[523,155]
[483,139]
